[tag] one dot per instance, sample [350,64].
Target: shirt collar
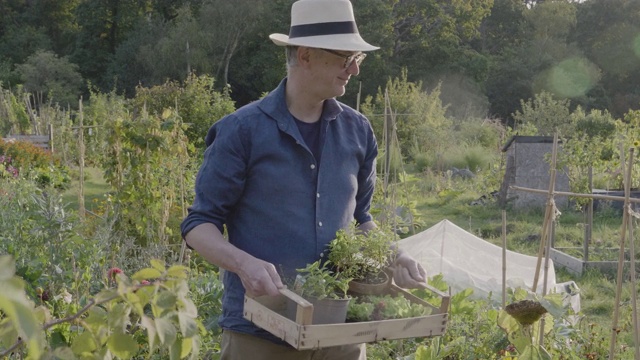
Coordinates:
[275,105]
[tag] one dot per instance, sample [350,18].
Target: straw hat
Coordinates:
[326,24]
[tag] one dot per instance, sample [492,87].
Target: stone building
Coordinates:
[527,165]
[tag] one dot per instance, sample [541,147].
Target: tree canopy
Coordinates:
[485,56]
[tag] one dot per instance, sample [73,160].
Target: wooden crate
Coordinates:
[268,312]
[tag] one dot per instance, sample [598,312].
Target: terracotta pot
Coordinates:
[370,288]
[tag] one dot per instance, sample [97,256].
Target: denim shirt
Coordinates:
[278,203]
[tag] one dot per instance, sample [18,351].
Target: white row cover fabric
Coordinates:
[467,261]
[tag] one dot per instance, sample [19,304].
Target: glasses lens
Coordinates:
[358,58]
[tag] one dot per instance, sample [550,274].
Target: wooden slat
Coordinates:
[271,321]
[268,313]
[318,336]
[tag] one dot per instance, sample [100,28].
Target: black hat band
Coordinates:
[327,28]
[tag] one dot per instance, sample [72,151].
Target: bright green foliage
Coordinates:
[384,307]
[590,146]
[318,281]
[13,115]
[149,312]
[547,114]
[196,101]
[419,117]
[19,320]
[147,165]
[356,255]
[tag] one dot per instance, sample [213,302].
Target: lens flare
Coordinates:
[572,77]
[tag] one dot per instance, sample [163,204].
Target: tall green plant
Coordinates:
[147,166]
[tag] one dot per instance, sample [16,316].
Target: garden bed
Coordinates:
[269,313]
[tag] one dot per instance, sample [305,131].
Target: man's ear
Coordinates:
[304,55]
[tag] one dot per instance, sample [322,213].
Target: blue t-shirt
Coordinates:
[311,135]
[260,179]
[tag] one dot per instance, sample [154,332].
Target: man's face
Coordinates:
[332,69]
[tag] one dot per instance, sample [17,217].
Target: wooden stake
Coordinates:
[81,161]
[504,259]
[632,252]
[625,221]
[549,213]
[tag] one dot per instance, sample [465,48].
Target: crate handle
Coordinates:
[304,309]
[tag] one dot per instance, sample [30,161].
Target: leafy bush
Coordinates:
[149,313]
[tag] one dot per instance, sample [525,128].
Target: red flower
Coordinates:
[113,272]
[145,282]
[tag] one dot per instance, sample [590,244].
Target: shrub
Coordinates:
[36,163]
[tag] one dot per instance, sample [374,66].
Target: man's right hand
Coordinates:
[260,278]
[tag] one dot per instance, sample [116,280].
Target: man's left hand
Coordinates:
[408,273]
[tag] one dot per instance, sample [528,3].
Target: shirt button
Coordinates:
[313,166]
[317,195]
[320,223]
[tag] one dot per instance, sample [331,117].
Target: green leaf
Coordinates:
[122,345]
[158,265]
[84,344]
[146,274]
[152,333]
[187,346]
[21,314]
[7,267]
[189,308]
[64,353]
[188,326]
[106,295]
[166,300]
[8,333]
[97,317]
[178,271]
[118,317]
[145,293]
[553,303]
[166,331]
[134,300]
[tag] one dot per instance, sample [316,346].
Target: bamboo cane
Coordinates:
[634,296]
[504,259]
[549,211]
[625,221]
[564,193]
[81,150]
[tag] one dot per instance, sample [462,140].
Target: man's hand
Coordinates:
[259,278]
[408,273]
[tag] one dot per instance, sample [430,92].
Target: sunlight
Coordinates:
[572,77]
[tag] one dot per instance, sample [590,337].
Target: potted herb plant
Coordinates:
[326,290]
[363,258]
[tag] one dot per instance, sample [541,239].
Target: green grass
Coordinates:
[95,189]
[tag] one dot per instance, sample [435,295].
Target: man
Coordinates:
[284,174]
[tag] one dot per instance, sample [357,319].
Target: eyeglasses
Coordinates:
[348,59]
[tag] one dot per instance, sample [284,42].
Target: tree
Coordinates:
[226,24]
[51,78]
[547,114]
[504,28]
[103,26]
